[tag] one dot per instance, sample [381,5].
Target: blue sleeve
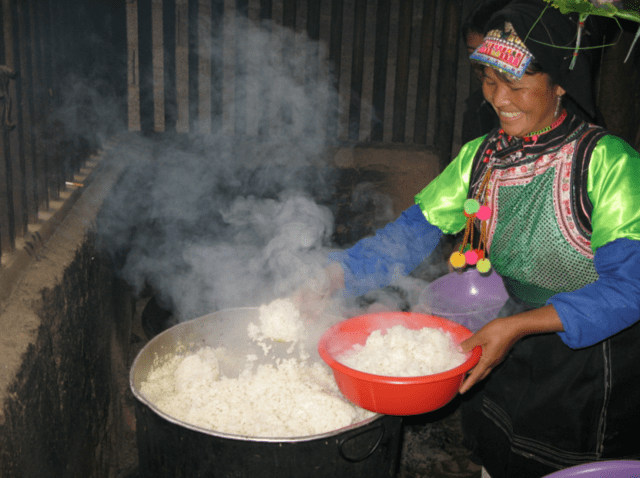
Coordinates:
[395,250]
[608,305]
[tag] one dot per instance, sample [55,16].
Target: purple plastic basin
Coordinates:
[467,298]
[603,469]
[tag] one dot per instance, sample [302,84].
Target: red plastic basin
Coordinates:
[393,395]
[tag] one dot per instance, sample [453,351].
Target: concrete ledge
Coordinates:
[66,327]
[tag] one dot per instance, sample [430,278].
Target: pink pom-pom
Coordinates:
[471,257]
[483,213]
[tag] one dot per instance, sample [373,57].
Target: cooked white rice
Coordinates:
[403,352]
[279,320]
[288,399]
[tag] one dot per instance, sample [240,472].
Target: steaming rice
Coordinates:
[279,320]
[287,399]
[403,352]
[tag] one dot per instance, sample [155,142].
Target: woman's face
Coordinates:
[524,106]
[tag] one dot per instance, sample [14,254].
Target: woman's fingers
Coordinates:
[477,373]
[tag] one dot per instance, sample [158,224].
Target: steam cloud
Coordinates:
[217,221]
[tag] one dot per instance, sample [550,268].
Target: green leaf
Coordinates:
[585,7]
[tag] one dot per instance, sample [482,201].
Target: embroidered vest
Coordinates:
[540,231]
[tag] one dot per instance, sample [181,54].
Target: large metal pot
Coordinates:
[170,448]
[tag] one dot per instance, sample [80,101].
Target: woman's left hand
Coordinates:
[498,336]
[495,338]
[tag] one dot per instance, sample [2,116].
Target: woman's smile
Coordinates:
[510,116]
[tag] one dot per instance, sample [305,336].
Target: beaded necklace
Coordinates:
[476,208]
[534,136]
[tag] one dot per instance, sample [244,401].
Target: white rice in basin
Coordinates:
[403,352]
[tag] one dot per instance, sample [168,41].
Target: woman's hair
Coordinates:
[478,18]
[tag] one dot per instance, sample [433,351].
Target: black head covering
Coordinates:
[552,28]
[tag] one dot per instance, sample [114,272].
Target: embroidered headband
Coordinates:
[504,51]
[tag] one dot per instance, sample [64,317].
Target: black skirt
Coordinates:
[547,407]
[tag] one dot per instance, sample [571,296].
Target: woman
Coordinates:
[558,383]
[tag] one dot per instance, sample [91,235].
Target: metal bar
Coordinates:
[157,64]
[240,103]
[357,68]
[182,65]
[14,154]
[312,61]
[133,68]
[217,12]
[55,178]
[204,66]
[266,12]
[7,237]
[427,34]
[402,71]
[335,60]
[25,121]
[25,111]
[7,213]
[42,170]
[446,86]
[54,44]
[193,77]
[289,13]
[169,22]
[266,9]
[145,56]
[381,58]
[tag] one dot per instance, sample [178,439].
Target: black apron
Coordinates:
[547,407]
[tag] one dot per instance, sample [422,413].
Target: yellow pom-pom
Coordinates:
[457,260]
[483,265]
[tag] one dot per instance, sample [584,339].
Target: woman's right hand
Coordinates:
[311,299]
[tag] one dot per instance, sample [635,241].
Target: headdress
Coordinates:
[504,51]
[550,37]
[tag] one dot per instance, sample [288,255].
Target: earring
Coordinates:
[558,106]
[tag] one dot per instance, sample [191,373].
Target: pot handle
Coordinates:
[357,434]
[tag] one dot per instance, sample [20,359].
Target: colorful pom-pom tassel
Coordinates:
[483,213]
[483,266]
[471,257]
[471,206]
[457,260]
